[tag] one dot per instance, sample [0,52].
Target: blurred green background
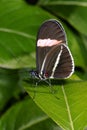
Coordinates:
[22,105]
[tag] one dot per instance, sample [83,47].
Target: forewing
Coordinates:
[52,29]
[51,33]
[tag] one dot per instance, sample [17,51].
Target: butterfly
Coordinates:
[53,56]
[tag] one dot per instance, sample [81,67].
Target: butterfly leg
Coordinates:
[38,82]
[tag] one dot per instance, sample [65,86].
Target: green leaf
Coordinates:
[9,85]
[66,106]
[26,115]
[72,11]
[18,28]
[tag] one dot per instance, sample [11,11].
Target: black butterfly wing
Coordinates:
[59,62]
[52,29]
[50,33]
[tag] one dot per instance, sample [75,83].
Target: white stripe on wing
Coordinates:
[56,63]
[41,71]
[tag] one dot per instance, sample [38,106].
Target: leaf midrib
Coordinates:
[68,108]
[31,123]
[7,30]
[74,3]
